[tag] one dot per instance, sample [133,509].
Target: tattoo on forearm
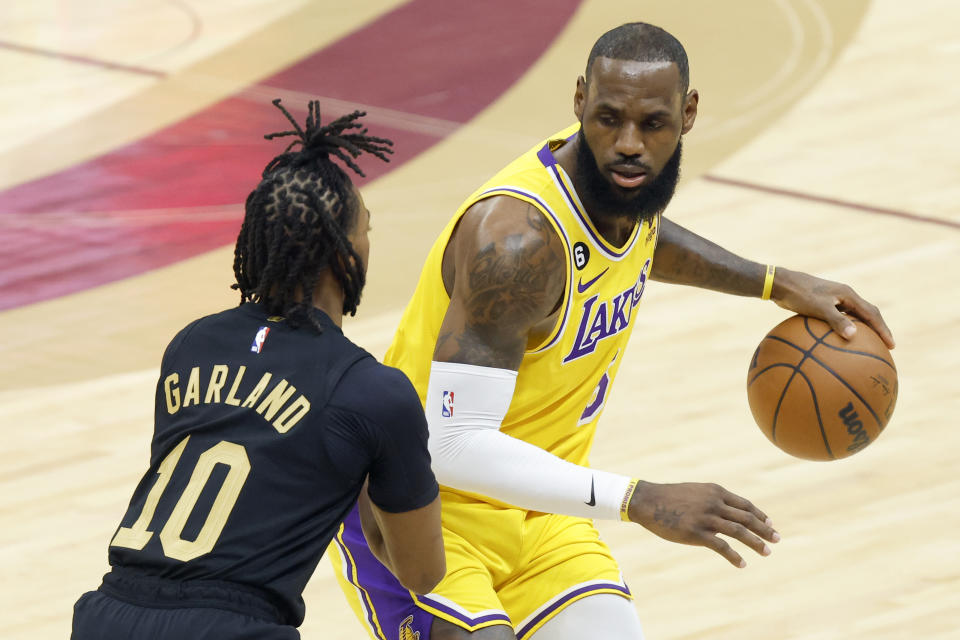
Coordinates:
[731,278]
[691,260]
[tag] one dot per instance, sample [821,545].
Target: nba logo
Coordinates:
[259,339]
[446,410]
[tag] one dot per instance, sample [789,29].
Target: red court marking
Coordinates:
[103,64]
[832,201]
[435,60]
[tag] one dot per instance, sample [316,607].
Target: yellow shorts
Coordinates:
[504,566]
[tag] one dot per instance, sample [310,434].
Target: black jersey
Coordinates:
[263,437]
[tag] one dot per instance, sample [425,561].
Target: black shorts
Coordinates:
[152,609]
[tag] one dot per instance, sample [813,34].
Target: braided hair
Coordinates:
[297,219]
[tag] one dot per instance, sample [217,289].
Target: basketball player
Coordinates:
[513,338]
[268,424]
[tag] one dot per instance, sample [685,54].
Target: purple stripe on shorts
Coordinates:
[393,604]
[453,613]
[601,586]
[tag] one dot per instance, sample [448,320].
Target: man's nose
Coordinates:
[630,141]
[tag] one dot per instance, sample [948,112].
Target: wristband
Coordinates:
[625,504]
[768,282]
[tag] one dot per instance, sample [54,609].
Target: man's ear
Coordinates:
[580,98]
[690,103]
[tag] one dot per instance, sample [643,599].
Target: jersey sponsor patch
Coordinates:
[259,339]
[446,409]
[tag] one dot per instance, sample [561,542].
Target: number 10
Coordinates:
[174,546]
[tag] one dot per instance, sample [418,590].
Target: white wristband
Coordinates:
[465,407]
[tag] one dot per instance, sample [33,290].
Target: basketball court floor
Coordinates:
[827,142]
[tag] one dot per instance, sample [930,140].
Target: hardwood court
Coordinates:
[826,142]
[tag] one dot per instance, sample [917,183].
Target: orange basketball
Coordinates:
[818,396]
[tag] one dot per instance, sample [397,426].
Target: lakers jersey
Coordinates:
[562,383]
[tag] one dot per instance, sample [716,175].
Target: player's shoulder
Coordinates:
[509,242]
[376,391]
[519,225]
[250,326]
[218,322]
[528,177]
[181,336]
[513,203]
[225,317]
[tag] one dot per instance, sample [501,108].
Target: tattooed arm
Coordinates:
[683,257]
[504,268]
[505,271]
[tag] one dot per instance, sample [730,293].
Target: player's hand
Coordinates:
[694,513]
[828,301]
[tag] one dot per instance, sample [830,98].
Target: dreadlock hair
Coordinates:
[641,42]
[297,219]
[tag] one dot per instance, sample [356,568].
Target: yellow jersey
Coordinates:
[562,383]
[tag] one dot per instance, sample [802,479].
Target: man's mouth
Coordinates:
[628,177]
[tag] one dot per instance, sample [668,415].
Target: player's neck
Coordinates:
[328,297]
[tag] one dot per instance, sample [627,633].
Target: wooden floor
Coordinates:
[827,142]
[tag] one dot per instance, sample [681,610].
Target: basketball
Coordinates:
[818,396]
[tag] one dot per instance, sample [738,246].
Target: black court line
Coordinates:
[103,64]
[789,193]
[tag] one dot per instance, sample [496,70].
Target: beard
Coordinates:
[603,198]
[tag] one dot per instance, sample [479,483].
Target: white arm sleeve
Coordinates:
[465,407]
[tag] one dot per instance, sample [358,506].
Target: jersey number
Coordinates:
[599,396]
[174,546]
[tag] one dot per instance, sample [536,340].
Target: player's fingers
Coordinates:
[723,548]
[743,534]
[733,500]
[747,519]
[839,322]
[870,314]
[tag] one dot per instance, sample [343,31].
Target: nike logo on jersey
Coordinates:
[593,497]
[581,287]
